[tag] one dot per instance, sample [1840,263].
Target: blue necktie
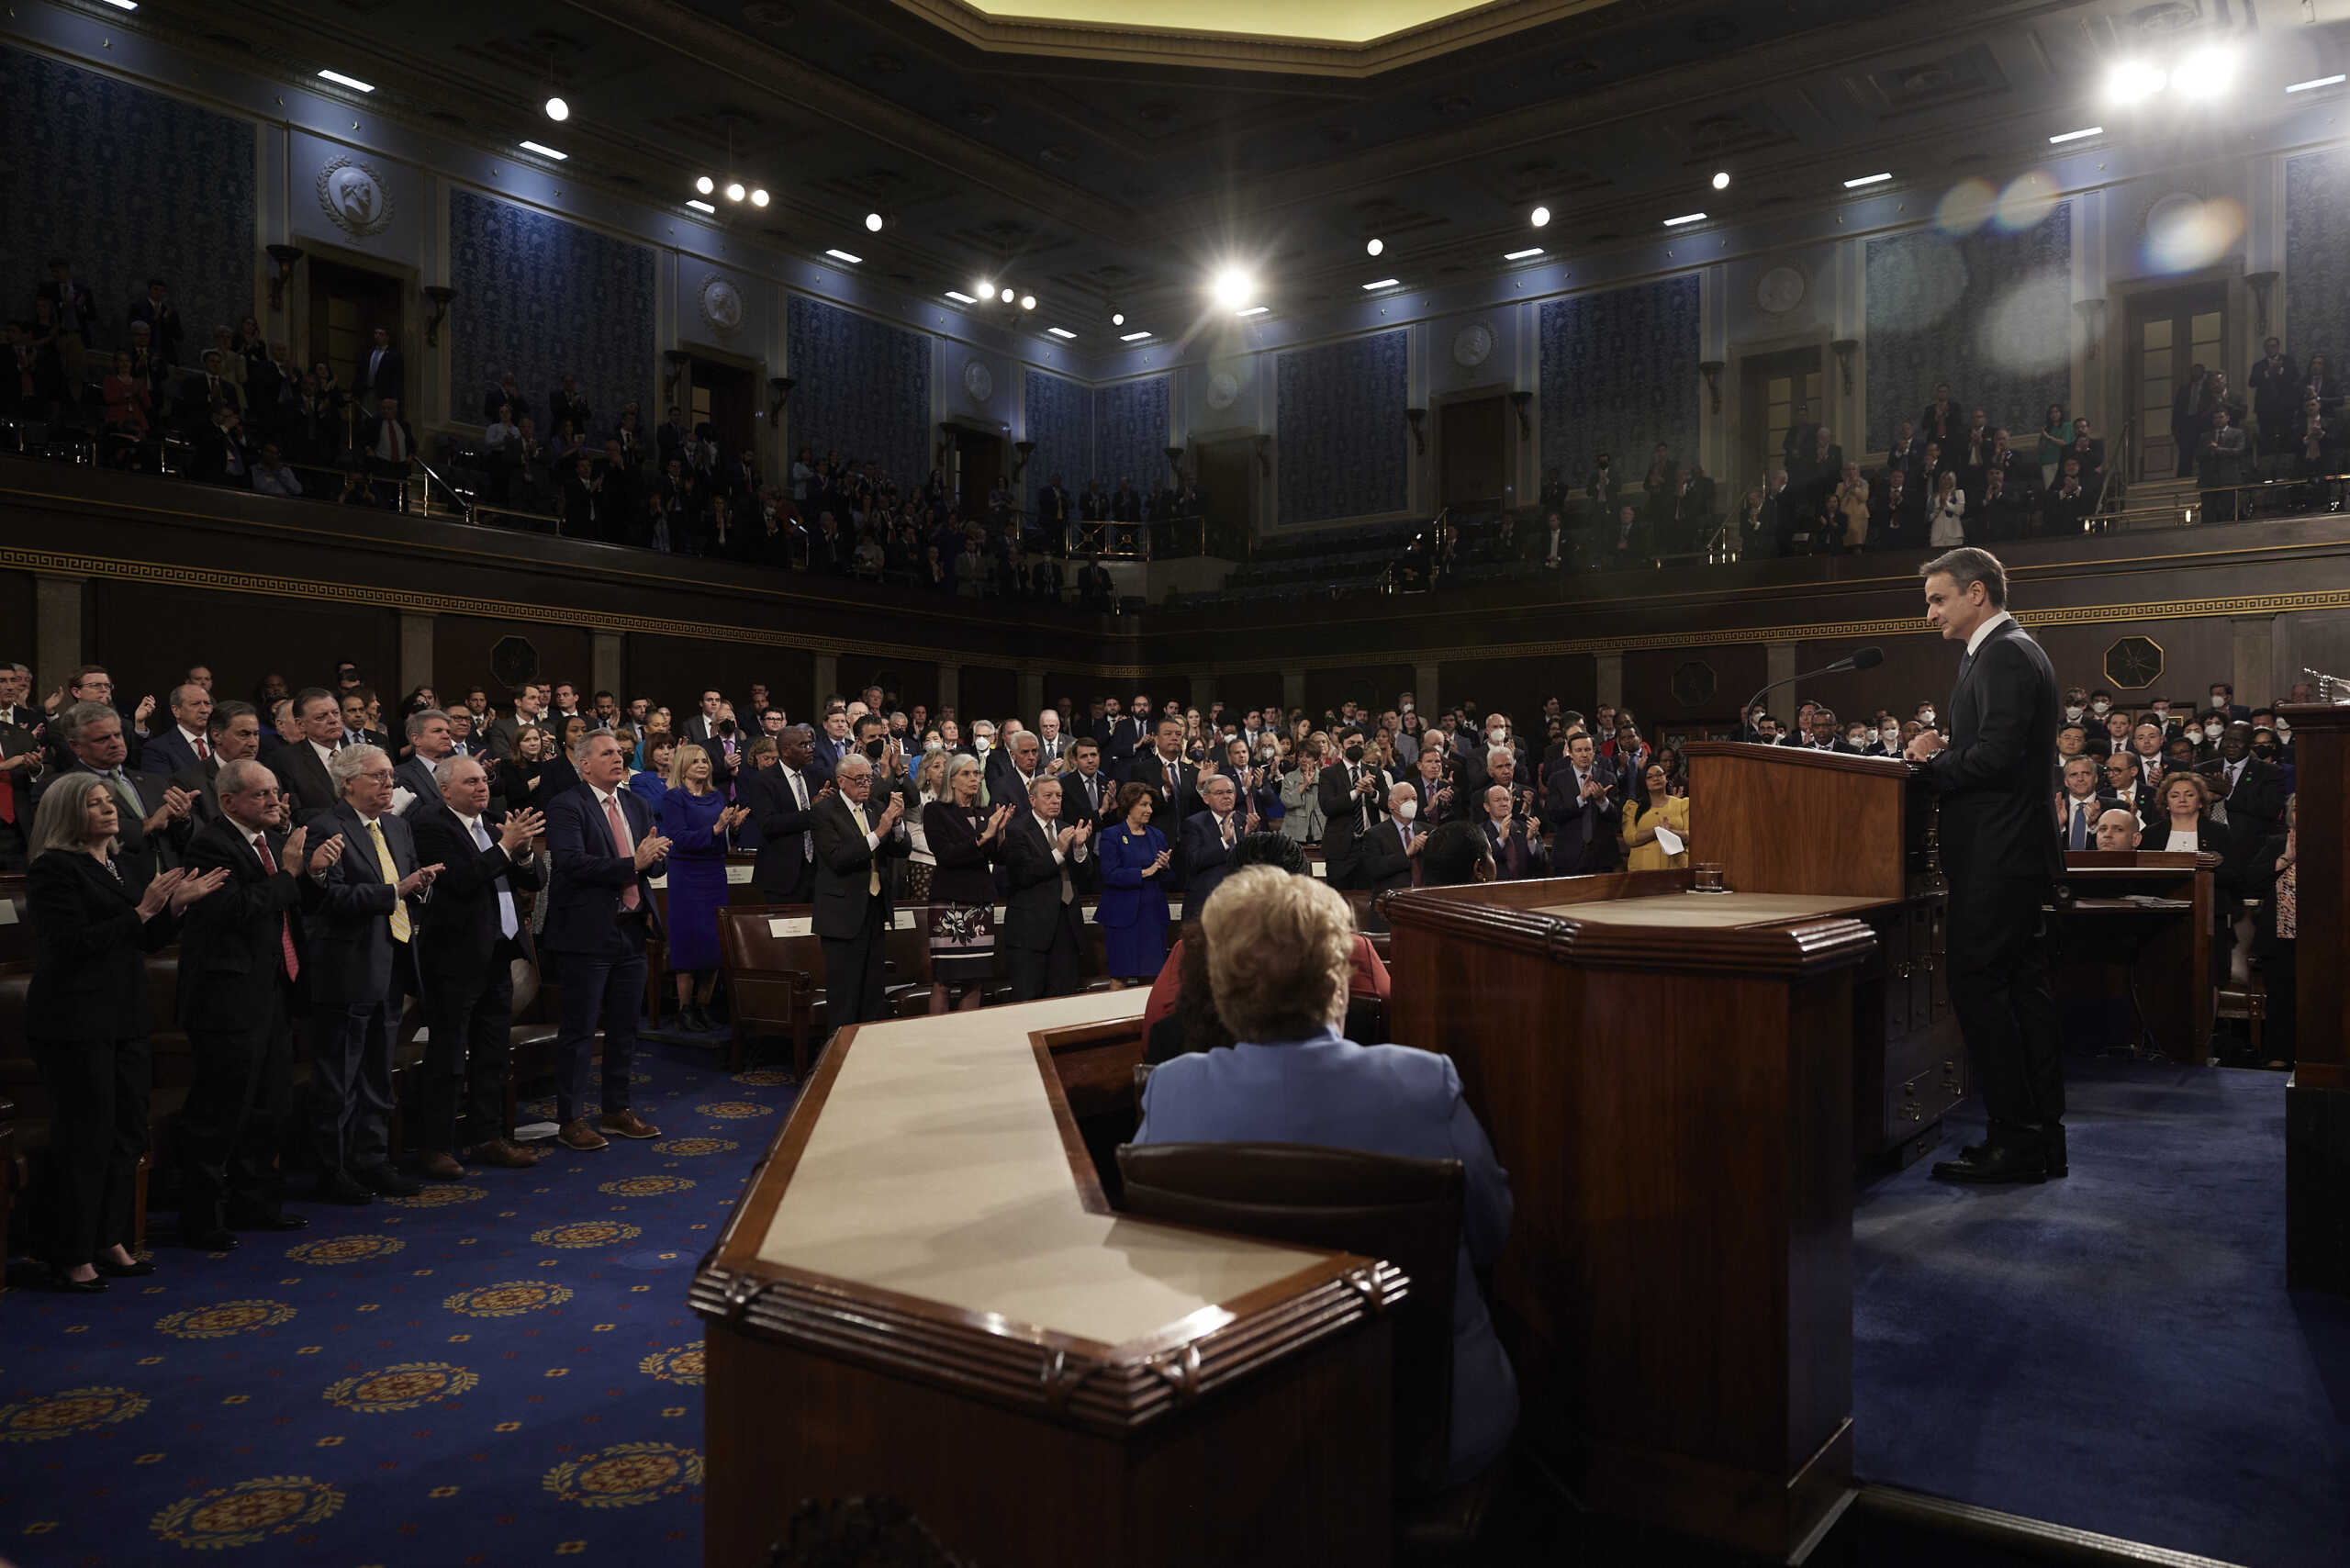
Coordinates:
[2080,825]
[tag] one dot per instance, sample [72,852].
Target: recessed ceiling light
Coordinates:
[844,256]
[557,110]
[1538,217]
[2334,81]
[959,297]
[544,150]
[1027,302]
[735,190]
[1521,255]
[706,184]
[1866,180]
[759,196]
[1685,217]
[1256,311]
[1721,180]
[984,289]
[124,5]
[2134,80]
[1373,247]
[2075,135]
[700,206]
[873,223]
[1117,318]
[1381,283]
[353,83]
[1060,331]
[1131,337]
[1006,295]
[2208,72]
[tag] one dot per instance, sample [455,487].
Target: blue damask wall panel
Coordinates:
[1131,425]
[864,388]
[1989,312]
[2317,254]
[128,185]
[1339,429]
[1619,373]
[1058,415]
[540,297]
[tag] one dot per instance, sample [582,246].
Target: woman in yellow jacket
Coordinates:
[1654,807]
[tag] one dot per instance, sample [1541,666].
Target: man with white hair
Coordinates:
[1208,836]
[1052,746]
[1042,924]
[359,963]
[855,838]
[430,738]
[184,743]
[1383,856]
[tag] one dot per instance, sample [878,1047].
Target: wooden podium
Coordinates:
[1669,1077]
[2317,1099]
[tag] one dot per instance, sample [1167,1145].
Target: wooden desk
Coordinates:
[924,1295]
[2157,956]
[2317,1098]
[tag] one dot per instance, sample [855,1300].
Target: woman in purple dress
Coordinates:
[695,818]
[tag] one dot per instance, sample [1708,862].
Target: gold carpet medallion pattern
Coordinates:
[763,1078]
[732,1110]
[586,1233]
[441,1197]
[683,1364]
[223,1318]
[648,1186]
[404,1387]
[247,1513]
[75,1410]
[627,1474]
[695,1145]
[329,1250]
[509,1298]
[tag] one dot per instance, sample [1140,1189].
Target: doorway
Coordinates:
[2171,332]
[1771,389]
[347,304]
[979,469]
[722,398]
[1227,494]
[1472,452]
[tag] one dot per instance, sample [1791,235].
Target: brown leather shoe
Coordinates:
[578,1134]
[439,1166]
[627,1124]
[505,1156]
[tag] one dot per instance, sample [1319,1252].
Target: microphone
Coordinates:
[1859,658]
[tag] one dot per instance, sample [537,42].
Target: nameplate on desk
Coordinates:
[999,914]
[1175,909]
[1319,867]
[791,925]
[905,919]
[7,912]
[1089,910]
[738,874]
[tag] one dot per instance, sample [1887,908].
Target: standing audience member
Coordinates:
[854,839]
[1042,928]
[963,839]
[1653,805]
[1133,913]
[695,818]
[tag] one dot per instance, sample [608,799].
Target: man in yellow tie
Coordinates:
[358,968]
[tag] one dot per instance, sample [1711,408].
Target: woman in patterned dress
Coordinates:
[964,836]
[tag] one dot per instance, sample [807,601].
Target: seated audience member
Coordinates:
[2185,828]
[1457,852]
[2118,829]
[1384,856]
[1653,805]
[273,475]
[2081,803]
[2127,787]
[1277,968]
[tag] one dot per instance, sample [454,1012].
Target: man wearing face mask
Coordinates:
[2253,790]
[2205,732]
[2268,748]
[1859,740]
[2223,700]
[1353,796]
[2076,705]
[1498,736]
[1385,857]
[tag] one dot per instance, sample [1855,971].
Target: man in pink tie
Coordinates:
[599,911]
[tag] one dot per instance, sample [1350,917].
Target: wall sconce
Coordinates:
[1265,456]
[282,259]
[1175,459]
[1845,348]
[778,394]
[1522,401]
[439,294]
[2260,284]
[1711,370]
[1419,418]
[677,360]
[1021,451]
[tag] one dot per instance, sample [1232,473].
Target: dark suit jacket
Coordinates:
[415,776]
[389,375]
[301,773]
[350,956]
[1380,860]
[203,782]
[1566,812]
[458,945]
[231,941]
[783,871]
[1338,798]
[844,864]
[167,752]
[1207,859]
[1531,862]
[1033,913]
[1992,775]
[134,846]
[584,913]
[89,945]
[1076,808]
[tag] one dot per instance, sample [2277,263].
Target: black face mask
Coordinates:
[2263,751]
[1354,753]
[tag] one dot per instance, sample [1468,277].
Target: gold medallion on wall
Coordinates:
[2134,662]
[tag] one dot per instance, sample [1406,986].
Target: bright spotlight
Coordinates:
[873,223]
[759,198]
[1004,294]
[733,190]
[1233,288]
[1539,216]
[1117,318]
[2133,81]
[1027,302]
[1721,180]
[557,110]
[984,289]
[1375,247]
[2206,73]
[705,185]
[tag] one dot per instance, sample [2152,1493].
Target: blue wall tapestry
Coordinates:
[864,388]
[1990,312]
[128,185]
[1058,415]
[540,297]
[1619,373]
[1339,433]
[1131,422]
[2317,254]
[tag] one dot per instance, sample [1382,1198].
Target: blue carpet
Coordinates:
[503,1370]
[2115,1351]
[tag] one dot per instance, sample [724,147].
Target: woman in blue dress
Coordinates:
[695,818]
[1133,910]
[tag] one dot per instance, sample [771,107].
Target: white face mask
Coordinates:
[2074,712]
[2099,708]
[1926,716]
[1891,736]
[2213,732]
[2283,729]
[1857,739]
[981,742]
[1406,810]
[1497,737]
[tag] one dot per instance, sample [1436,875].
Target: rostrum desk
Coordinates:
[1669,1078]
[923,1295]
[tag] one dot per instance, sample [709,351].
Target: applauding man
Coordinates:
[856,839]
[1041,923]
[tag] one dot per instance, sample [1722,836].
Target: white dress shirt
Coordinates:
[482,840]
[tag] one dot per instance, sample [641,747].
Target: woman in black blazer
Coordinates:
[964,837]
[2184,807]
[93,918]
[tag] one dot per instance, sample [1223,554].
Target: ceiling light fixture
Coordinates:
[1256,311]
[2133,80]
[959,297]
[873,223]
[759,196]
[1060,331]
[2082,134]
[706,184]
[844,256]
[1721,179]
[1538,217]
[2315,82]
[734,191]
[1685,217]
[1004,294]
[124,5]
[1866,180]
[1027,302]
[701,207]
[1234,287]
[1373,247]
[1381,283]
[1117,318]
[1131,337]
[984,289]
[557,110]
[1522,255]
[353,83]
[2206,73]
[542,149]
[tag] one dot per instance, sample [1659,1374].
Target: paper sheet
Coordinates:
[1668,840]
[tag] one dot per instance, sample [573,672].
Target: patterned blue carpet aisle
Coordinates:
[499,1371]
[2116,1350]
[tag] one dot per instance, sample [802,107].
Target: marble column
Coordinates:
[416,649]
[950,687]
[1294,689]
[1426,691]
[827,681]
[1779,666]
[2254,637]
[1032,696]
[57,631]
[608,671]
[1608,682]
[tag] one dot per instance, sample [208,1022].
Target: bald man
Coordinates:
[2117,830]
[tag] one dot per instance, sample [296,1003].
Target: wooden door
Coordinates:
[1772,388]
[2171,332]
[1472,453]
[347,304]
[979,466]
[1227,479]
[722,397]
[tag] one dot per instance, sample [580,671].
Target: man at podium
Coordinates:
[2001,859]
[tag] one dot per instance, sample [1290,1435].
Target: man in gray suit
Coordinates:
[358,964]
[234,734]
[429,740]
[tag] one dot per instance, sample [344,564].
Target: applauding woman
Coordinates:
[696,819]
[1132,912]
[94,917]
[963,837]
[1654,805]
